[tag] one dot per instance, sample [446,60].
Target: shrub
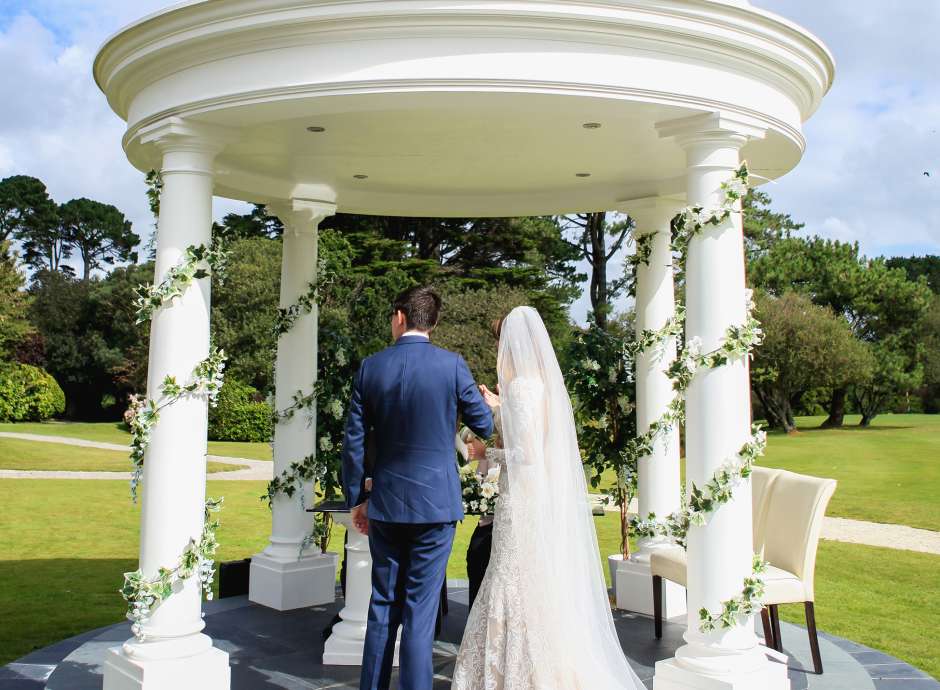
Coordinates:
[28,394]
[240,415]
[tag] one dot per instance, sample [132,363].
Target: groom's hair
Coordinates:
[421,307]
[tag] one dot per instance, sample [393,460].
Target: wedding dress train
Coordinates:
[542,619]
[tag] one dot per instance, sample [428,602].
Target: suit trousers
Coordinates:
[478,557]
[409,564]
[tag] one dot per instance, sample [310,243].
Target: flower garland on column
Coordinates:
[143,595]
[311,468]
[737,344]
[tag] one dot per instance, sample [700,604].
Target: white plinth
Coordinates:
[345,644]
[768,675]
[634,588]
[207,670]
[284,584]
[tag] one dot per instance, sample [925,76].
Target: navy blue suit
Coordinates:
[410,396]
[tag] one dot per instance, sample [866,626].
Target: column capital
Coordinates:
[301,216]
[186,146]
[651,213]
[725,129]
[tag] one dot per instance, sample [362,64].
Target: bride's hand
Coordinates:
[489,397]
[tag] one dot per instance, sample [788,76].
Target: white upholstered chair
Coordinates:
[787,511]
[794,521]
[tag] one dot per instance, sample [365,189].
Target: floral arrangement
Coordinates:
[478,490]
[144,595]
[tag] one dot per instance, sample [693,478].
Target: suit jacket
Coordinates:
[410,395]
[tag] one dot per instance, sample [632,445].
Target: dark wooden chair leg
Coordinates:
[658,606]
[768,632]
[813,636]
[775,624]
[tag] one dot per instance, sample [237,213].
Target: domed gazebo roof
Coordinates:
[463,108]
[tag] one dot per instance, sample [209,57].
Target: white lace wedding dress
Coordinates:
[542,619]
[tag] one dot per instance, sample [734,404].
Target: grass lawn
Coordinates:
[114,432]
[16,454]
[74,539]
[889,472]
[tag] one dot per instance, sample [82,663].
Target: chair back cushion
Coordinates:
[762,480]
[796,507]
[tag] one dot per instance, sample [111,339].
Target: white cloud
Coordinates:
[55,124]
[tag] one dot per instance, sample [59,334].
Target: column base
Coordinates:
[345,646]
[633,585]
[285,584]
[770,675]
[207,670]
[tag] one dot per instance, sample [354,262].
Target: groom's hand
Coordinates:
[360,517]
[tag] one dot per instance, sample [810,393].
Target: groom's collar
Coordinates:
[413,337]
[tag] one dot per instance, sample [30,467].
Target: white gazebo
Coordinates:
[455,108]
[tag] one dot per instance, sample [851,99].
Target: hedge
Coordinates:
[240,415]
[28,394]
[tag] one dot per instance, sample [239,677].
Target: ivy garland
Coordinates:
[737,344]
[199,261]
[311,468]
[141,594]
[747,603]
[144,595]
[206,380]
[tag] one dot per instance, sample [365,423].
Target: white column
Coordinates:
[658,473]
[282,577]
[345,644]
[717,425]
[174,652]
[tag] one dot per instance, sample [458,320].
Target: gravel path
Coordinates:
[876,534]
[248,469]
[835,529]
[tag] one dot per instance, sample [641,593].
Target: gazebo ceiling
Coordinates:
[449,107]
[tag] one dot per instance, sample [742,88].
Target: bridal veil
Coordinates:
[561,578]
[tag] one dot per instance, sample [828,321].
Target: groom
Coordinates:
[410,394]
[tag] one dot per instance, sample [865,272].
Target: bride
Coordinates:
[542,619]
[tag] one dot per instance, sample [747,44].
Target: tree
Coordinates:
[14,306]
[24,204]
[930,395]
[805,346]
[591,231]
[763,228]
[258,223]
[244,310]
[893,372]
[917,266]
[100,233]
[93,346]
[877,301]
[466,326]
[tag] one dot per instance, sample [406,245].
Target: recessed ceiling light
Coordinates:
[316,128]
[591,125]
[582,174]
[360,176]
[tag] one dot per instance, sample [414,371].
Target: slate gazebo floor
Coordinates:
[270,649]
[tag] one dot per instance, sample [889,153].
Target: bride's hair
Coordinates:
[496,328]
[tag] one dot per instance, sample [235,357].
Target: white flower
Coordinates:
[591,365]
[488,491]
[326,444]
[474,505]
[341,357]
[612,375]
[335,408]
[484,506]
[693,348]
[493,475]
[625,405]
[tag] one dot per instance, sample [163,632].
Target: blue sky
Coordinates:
[861,179]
